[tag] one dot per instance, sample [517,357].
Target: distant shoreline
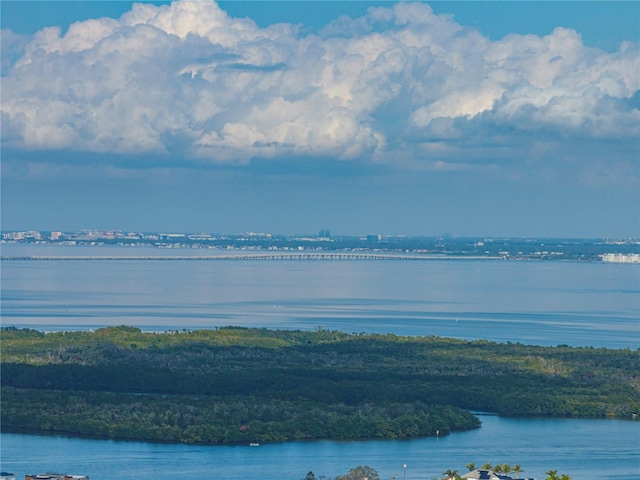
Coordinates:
[266,247]
[319,257]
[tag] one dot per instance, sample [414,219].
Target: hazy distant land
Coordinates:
[325,246]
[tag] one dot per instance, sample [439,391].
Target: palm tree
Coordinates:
[506,468]
[471,466]
[451,474]
[517,469]
[552,475]
[498,468]
[564,476]
[486,466]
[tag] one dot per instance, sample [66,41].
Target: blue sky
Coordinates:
[471,118]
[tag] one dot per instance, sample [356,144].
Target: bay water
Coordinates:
[587,304]
[534,302]
[584,449]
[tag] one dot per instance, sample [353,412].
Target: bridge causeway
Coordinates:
[256,257]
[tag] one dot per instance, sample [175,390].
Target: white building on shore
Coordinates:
[621,257]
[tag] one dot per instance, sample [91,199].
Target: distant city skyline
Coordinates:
[514,119]
[322,234]
[310,246]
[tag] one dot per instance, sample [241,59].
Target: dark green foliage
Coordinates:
[237,384]
[207,419]
[359,473]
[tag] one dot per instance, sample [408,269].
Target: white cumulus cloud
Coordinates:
[401,82]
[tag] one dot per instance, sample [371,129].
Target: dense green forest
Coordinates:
[256,385]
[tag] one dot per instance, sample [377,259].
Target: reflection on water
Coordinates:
[546,303]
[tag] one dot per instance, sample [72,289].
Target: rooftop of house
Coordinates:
[484,474]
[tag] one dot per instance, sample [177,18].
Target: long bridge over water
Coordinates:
[254,257]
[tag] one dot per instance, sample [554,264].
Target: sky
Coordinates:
[516,119]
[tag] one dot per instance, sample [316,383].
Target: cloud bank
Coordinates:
[399,86]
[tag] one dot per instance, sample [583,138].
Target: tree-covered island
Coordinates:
[256,385]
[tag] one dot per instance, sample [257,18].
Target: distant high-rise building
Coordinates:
[324,233]
[56,236]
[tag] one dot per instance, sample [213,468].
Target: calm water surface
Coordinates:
[545,303]
[585,449]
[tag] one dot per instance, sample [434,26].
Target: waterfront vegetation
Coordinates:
[370,473]
[235,384]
